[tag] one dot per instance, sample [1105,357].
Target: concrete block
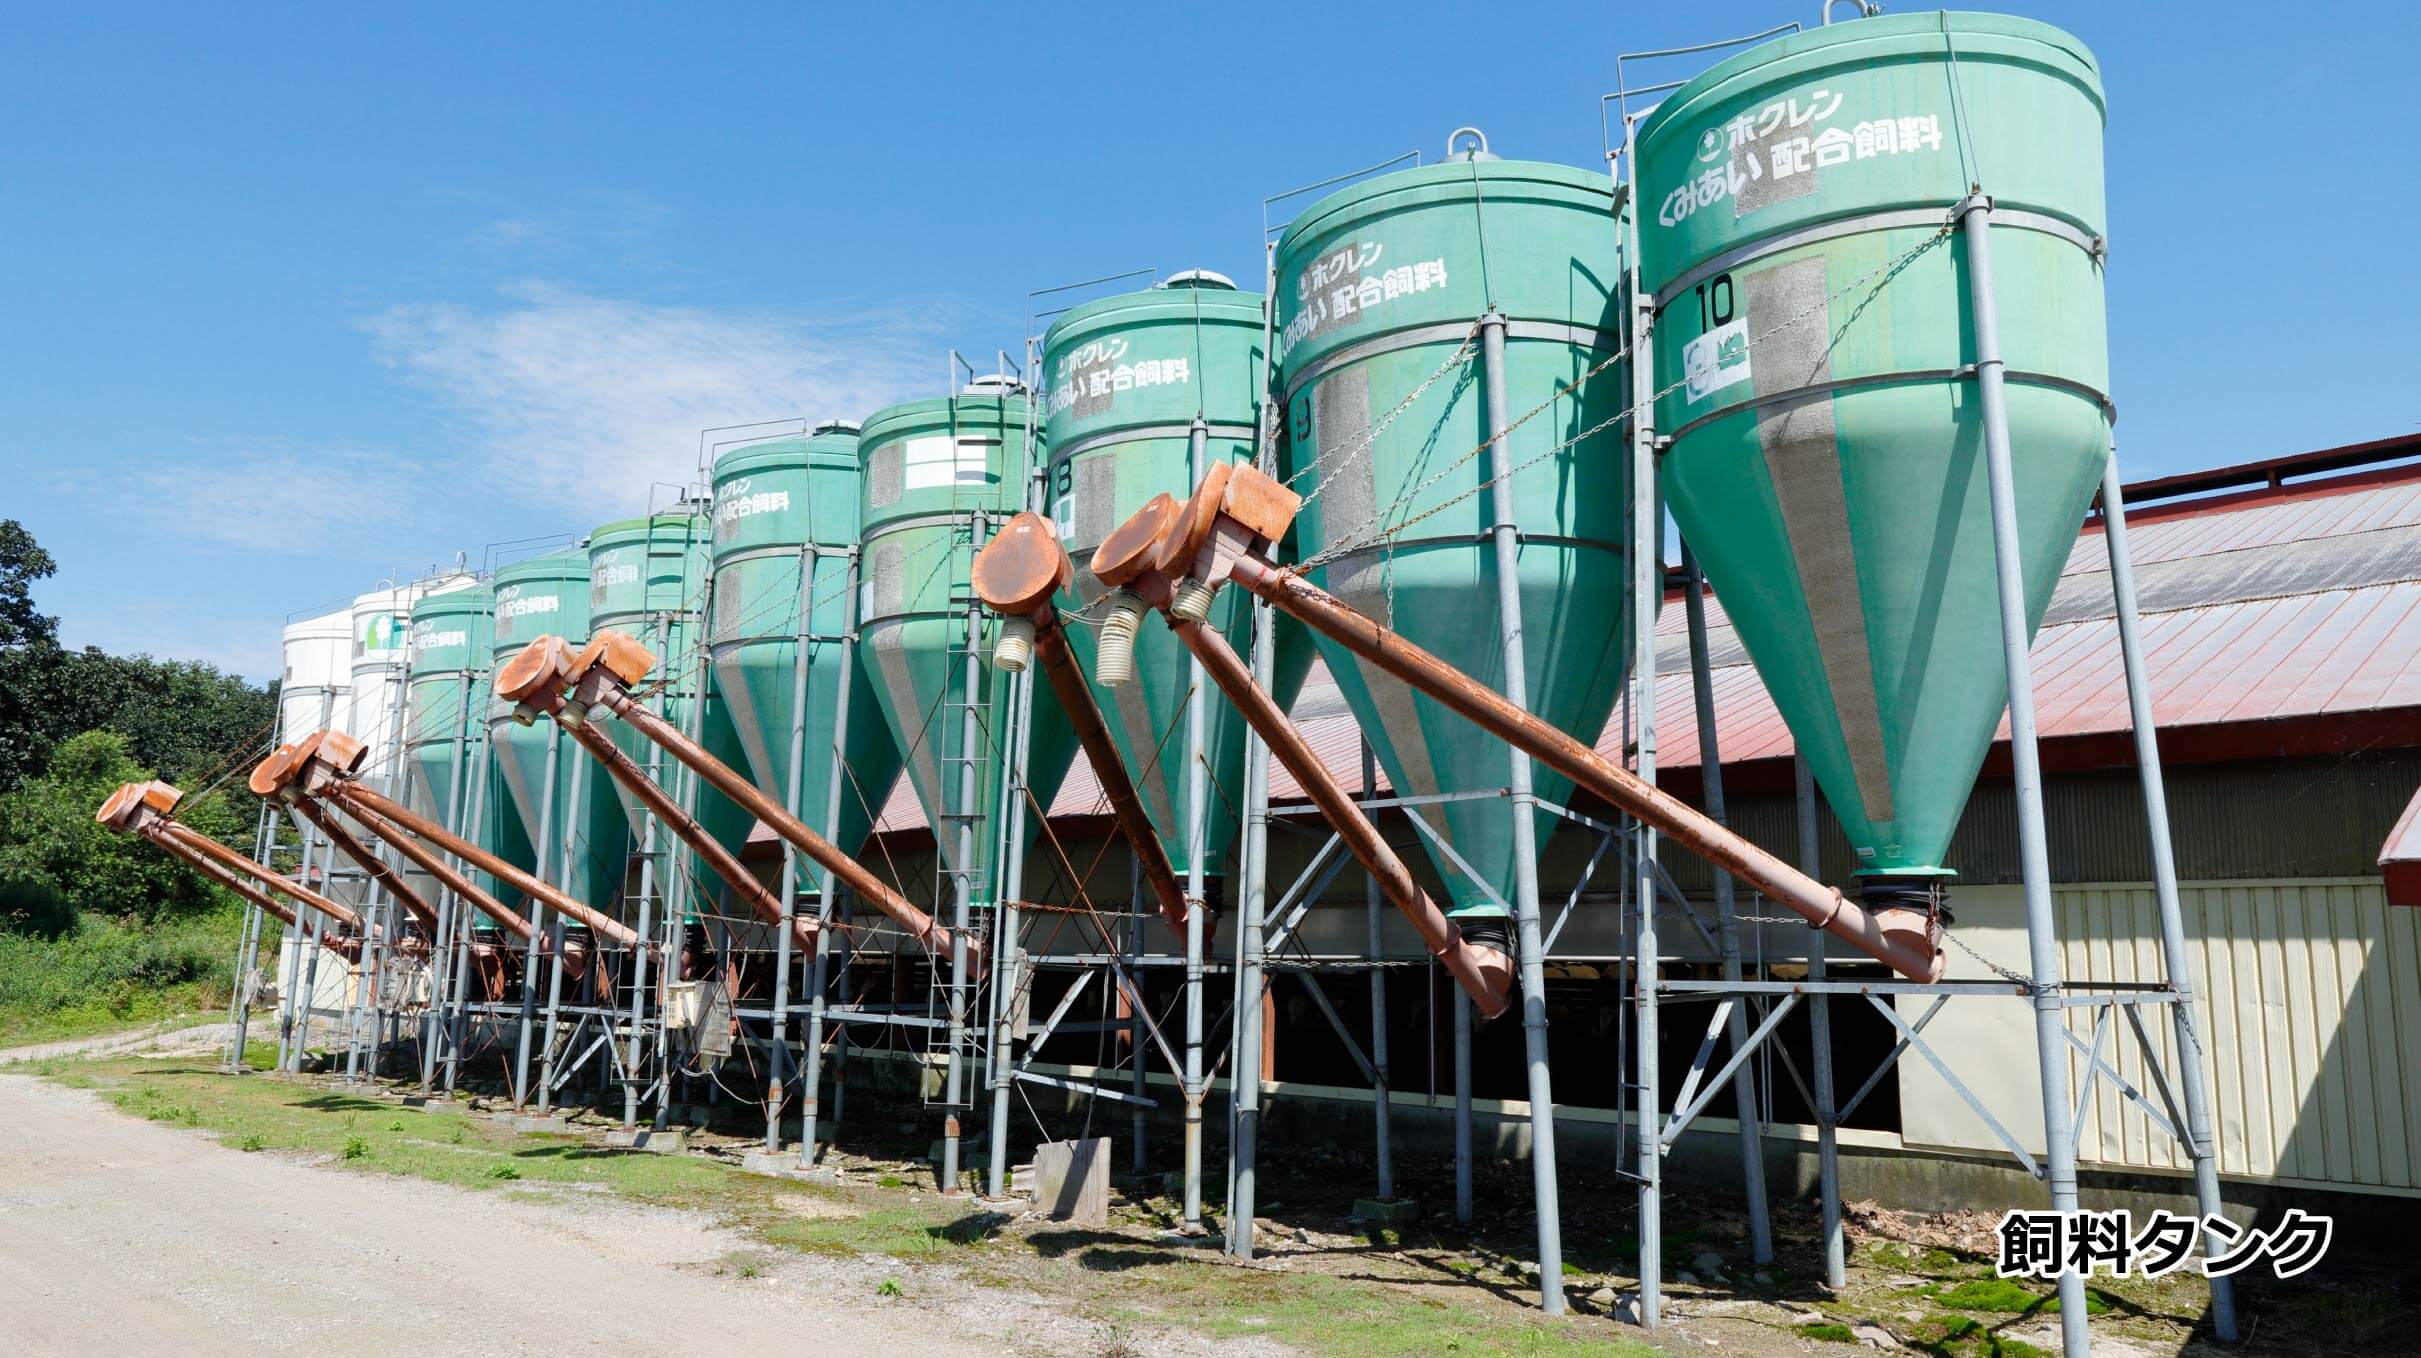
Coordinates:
[545,1124]
[1399,1212]
[1072,1180]
[672,1141]
[779,1164]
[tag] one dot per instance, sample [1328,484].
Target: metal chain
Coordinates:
[1338,462]
[1886,271]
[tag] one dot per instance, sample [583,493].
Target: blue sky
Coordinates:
[295,298]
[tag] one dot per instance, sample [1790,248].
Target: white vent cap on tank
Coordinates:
[1210,280]
[994,385]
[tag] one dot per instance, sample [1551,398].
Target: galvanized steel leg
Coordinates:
[2200,1143]
[1251,901]
[962,910]
[828,897]
[1727,925]
[1647,591]
[1820,1038]
[1137,1160]
[1373,904]
[1462,1105]
[538,924]
[2050,1019]
[1529,942]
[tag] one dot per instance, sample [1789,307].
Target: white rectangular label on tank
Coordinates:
[939,460]
[1716,359]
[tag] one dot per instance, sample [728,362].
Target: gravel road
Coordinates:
[124,1236]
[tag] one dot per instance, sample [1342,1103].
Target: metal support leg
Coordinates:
[1251,901]
[1373,907]
[1462,1105]
[1727,925]
[2050,1019]
[1820,1038]
[538,920]
[1528,940]
[1137,920]
[828,902]
[1647,520]
[962,908]
[2200,1143]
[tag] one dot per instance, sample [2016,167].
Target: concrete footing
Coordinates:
[1398,1212]
[670,1142]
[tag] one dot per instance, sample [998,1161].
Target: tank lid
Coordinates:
[994,385]
[1208,279]
[1474,146]
[834,427]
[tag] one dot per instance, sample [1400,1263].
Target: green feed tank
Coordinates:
[785,515]
[647,578]
[451,650]
[1380,285]
[1127,378]
[536,597]
[930,467]
[1826,458]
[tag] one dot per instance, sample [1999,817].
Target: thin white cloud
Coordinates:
[569,397]
[273,498]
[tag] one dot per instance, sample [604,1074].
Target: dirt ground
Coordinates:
[123,1234]
[112,1226]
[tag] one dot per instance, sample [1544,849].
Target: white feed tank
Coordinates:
[314,692]
[381,624]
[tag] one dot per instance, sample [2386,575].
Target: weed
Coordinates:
[891,1181]
[1117,1346]
[396,1125]
[888,1288]
[503,1172]
[356,1148]
[254,1142]
[1828,1332]
[2000,1295]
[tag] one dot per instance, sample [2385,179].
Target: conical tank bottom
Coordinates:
[1381,286]
[648,579]
[930,468]
[785,514]
[1862,585]
[1131,376]
[541,596]
[1816,361]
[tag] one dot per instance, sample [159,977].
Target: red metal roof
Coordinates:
[2293,600]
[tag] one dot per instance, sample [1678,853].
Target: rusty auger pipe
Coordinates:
[276,778]
[684,826]
[324,765]
[351,846]
[143,809]
[1015,576]
[1129,559]
[600,675]
[1224,533]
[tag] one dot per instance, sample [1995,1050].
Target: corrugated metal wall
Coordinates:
[2312,994]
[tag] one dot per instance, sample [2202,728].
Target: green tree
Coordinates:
[55,859]
[22,562]
[183,718]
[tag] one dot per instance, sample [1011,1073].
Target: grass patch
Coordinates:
[101,975]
